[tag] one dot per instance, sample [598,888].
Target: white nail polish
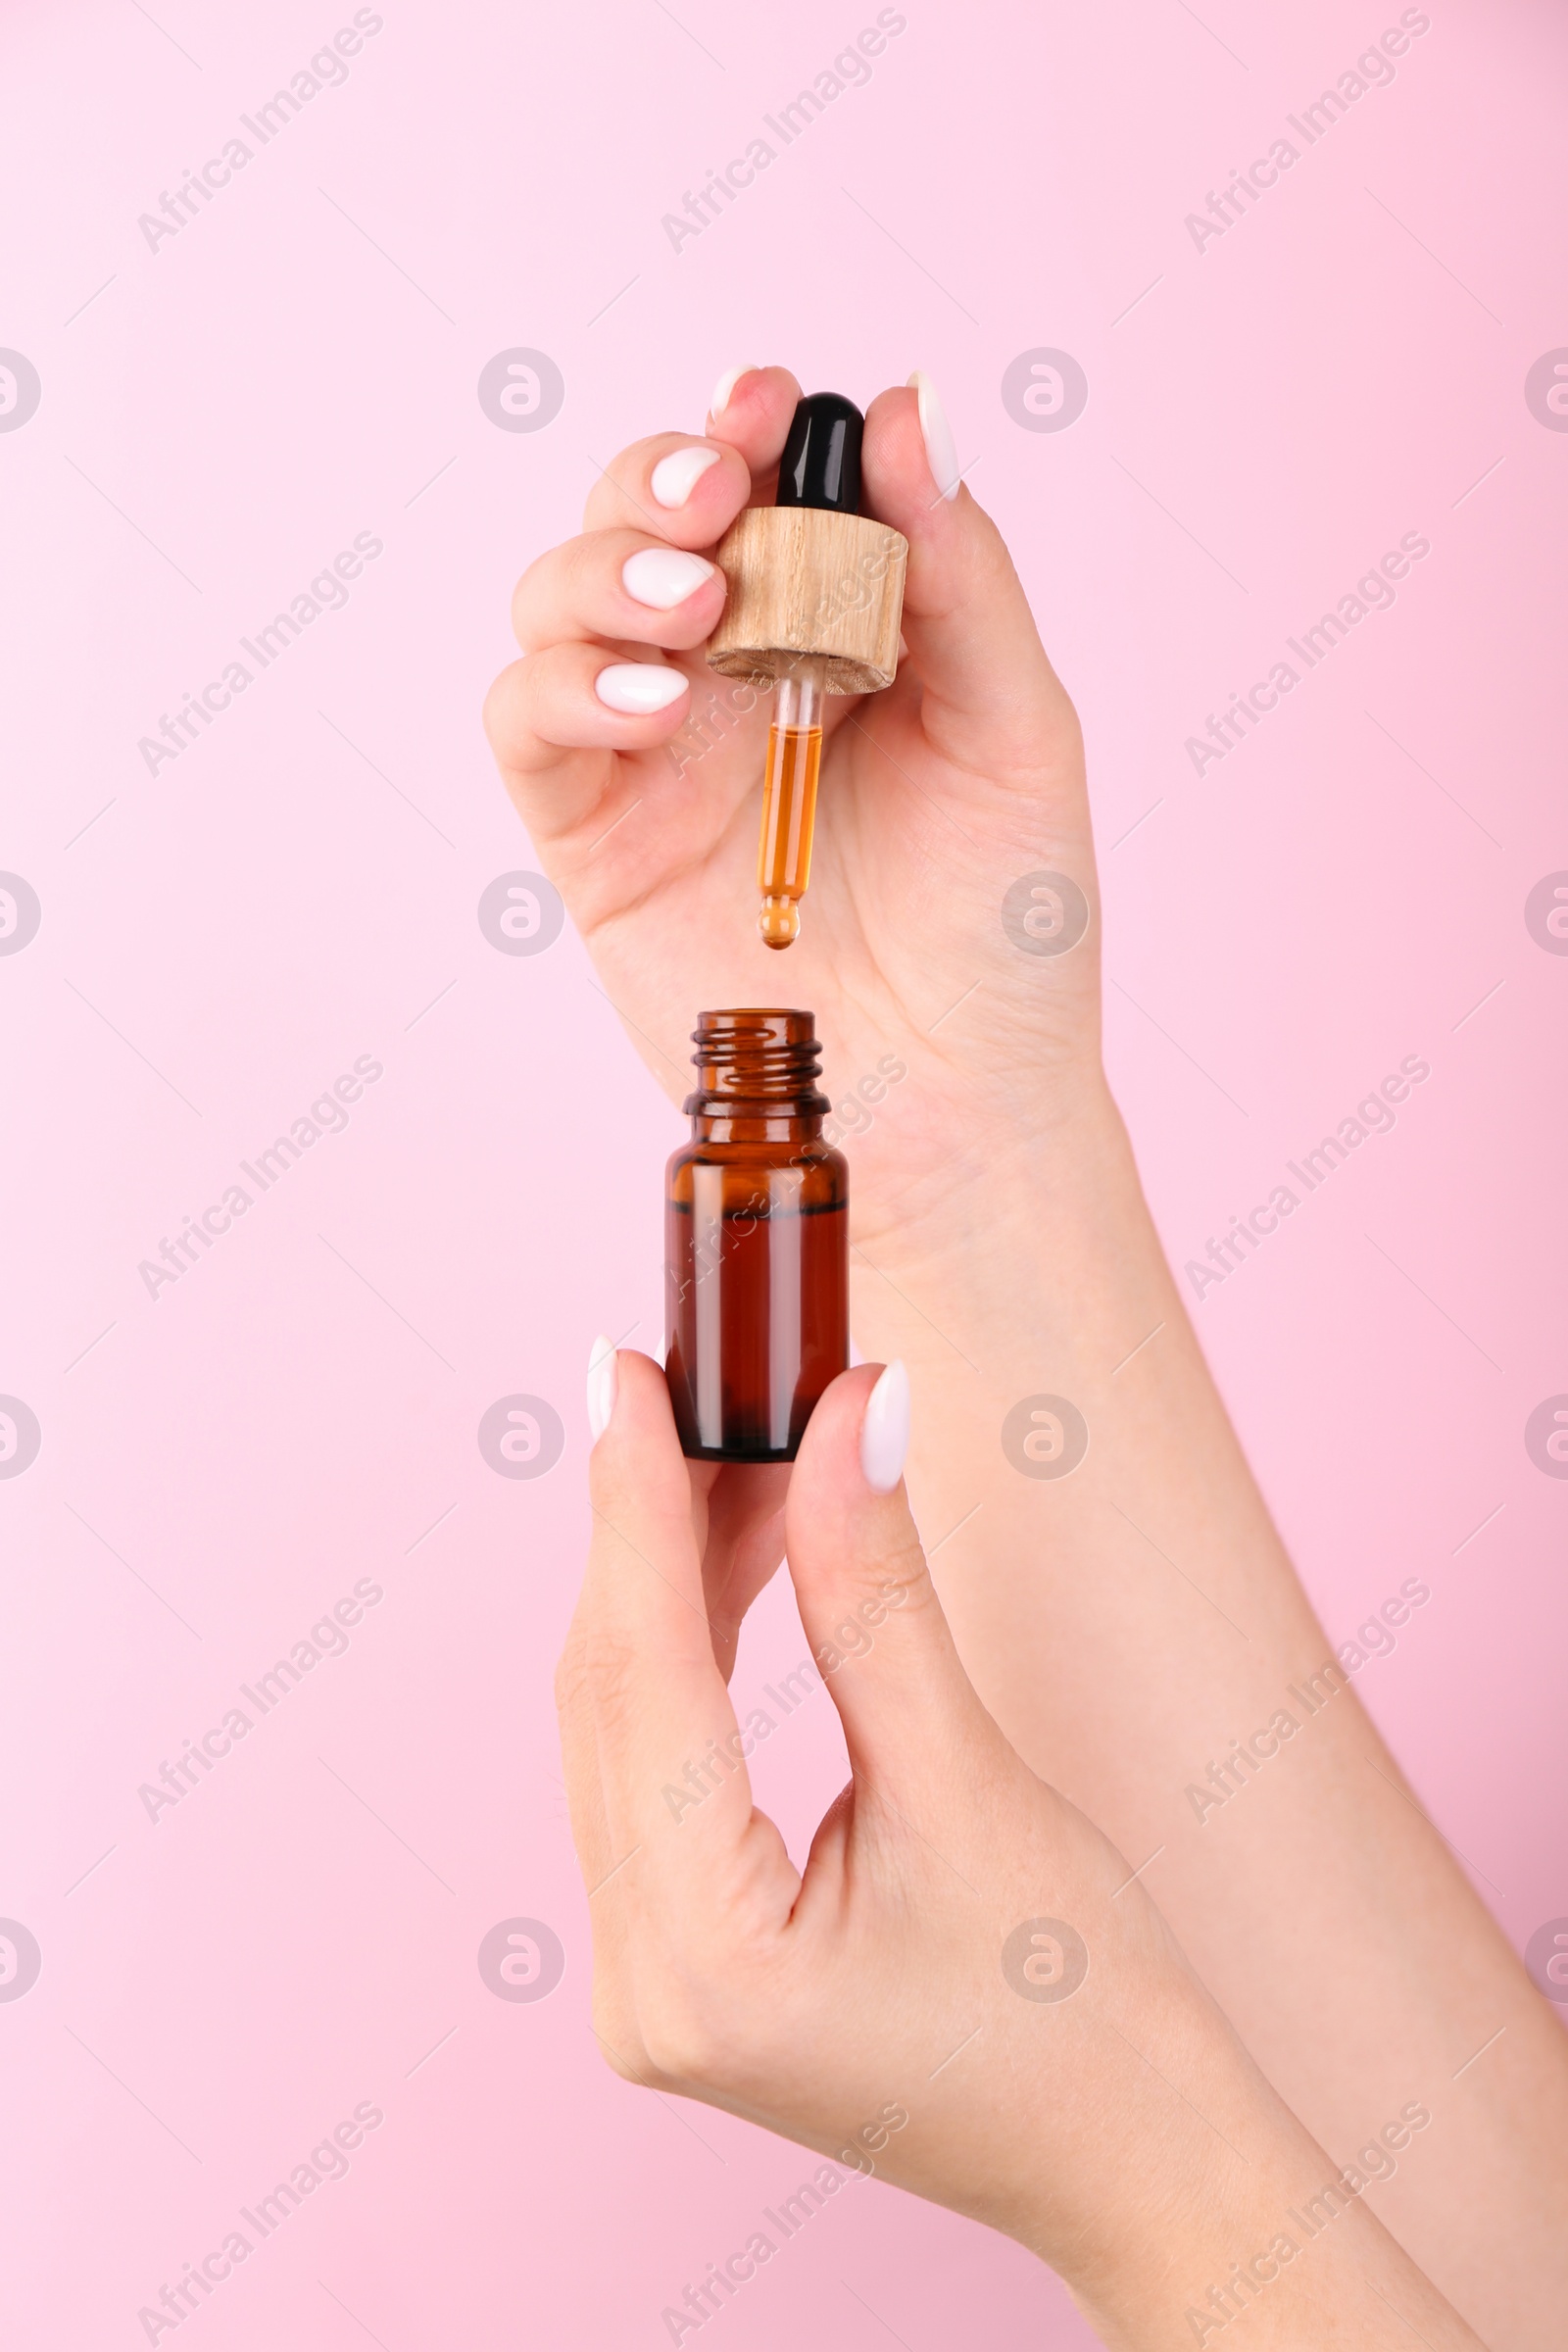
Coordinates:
[639,688]
[885,1431]
[726,385]
[675,478]
[663,578]
[941,450]
[604,1381]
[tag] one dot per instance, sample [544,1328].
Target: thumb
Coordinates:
[866,1600]
[990,697]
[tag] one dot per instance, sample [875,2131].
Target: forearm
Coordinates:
[1130,1623]
[1293,2281]
[1273,2237]
[1212,2204]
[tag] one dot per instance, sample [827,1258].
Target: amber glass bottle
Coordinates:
[756,1242]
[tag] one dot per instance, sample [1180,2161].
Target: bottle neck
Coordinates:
[735,1126]
[756,1072]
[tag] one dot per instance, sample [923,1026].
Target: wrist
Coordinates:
[1038,1244]
[1192,2172]
[1236,2213]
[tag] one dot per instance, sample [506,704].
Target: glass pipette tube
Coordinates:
[789,799]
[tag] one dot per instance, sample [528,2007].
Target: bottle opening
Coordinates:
[756,1054]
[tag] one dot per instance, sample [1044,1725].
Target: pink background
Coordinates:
[221,940]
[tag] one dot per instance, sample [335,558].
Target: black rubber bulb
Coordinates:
[821,462]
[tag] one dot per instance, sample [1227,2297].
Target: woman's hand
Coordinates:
[1004,1250]
[936,797]
[966,1990]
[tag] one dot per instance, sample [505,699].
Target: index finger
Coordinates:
[686,488]
[638,486]
[755,405]
[674,1781]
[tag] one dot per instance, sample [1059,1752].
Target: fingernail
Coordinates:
[885,1431]
[639,687]
[675,478]
[726,385]
[663,576]
[941,451]
[602,1382]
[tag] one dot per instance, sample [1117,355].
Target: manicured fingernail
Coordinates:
[725,386]
[675,478]
[664,577]
[602,1382]
[639,687]
[885,1431]
[941,451]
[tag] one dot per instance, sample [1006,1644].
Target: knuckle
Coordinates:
[536,599]
[619,2042]
[591,565]
[501,705]
[528,578]
[904,1566]
[681,2037]
[621,2064]
[893,1571]
[890,1582]
[721,2021]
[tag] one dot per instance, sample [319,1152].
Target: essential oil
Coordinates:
[755,1241]
[789,801]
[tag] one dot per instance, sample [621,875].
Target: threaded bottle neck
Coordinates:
[757,1063]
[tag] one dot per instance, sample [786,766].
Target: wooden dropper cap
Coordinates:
[813,575]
